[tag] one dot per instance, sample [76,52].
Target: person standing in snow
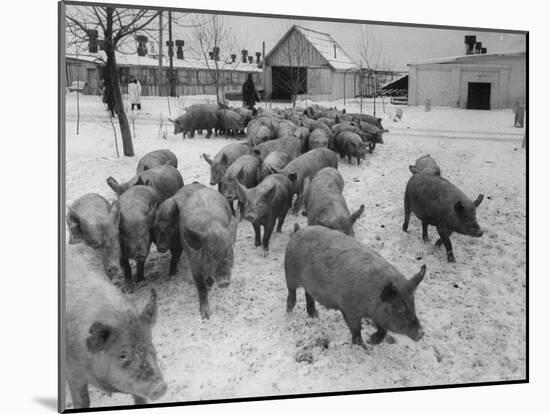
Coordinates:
[134,94]
[250,96]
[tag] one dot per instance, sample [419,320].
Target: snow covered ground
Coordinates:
[473,311]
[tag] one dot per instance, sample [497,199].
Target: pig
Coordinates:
[223,159]
[313,125]
[349,144]
[438,202]
[343,274]
[274,160]
[374,134]
[165,179]
[108,341]
[425,164]
[138,212]
[377,122]
[302,133]
[264,204]
[291,145]
[207,234]
[93,226]
[285,128]
[324,203]
[157,158]
[229,122]
[197,117]
[319,138]
[243,170]
[328,121]
[306,165]
[261,129]
[166,232]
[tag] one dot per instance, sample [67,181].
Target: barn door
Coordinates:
[479,95]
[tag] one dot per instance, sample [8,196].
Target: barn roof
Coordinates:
[124,59]
[466,58]
[327,47]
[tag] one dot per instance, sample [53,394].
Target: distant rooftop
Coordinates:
[466,58]
[124,59]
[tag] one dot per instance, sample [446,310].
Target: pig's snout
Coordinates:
[212,182]
[418,335]
[224,282]
[161,248]
[478,233]
[157,389]
[112,270]
[250,217]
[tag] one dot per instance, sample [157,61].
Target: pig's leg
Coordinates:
[241,209]
[140,274]
[378,336]
[291,299]
[358,161]
[310,306]
[446,241]
[268,229]
[298,203]
[349,159]
[407,205]
[176,254]
[79,394]
[354,325]
[257,234]
[204,307]
[127,270]
[425,231]
[281,219]
[139,400]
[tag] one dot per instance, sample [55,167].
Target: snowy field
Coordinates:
[473,311]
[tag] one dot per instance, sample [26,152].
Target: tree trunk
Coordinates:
[127,145]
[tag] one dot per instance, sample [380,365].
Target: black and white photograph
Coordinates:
[265,206]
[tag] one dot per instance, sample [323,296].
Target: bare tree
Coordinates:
[117,25]
[215,37]
[371,54]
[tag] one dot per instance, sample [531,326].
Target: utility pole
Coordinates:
[159,76]
[171,55]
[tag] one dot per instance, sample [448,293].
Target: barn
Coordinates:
[473,81]
[193,76]
[309,63]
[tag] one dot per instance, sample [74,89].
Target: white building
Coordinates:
[479,81]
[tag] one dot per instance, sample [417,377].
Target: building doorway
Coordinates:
[479,95]
[288,81]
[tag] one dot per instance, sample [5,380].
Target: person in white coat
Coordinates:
[134,94]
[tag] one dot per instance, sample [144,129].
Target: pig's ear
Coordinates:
[241,192]
[256,152]
[306,184]
[73,223]
[139,181]
[149,313]
[413,169]
[478,200]
[224,160]
[240,174]
[388,293]
[459,207]
[114,213]
[416,279]
[99,337]
[173,210]
[115,186]
[207,158]
[193,239]
[292,177]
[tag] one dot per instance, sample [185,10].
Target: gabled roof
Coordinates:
[325,45]
[124,59]
[466,58]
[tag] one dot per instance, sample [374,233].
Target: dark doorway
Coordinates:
[288,81]
[479,95]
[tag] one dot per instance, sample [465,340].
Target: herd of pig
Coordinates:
[287,153]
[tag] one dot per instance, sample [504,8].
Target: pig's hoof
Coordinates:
[451,258]
[405,227]
[205,313]
[390,340]
[265,253]
[438,243]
